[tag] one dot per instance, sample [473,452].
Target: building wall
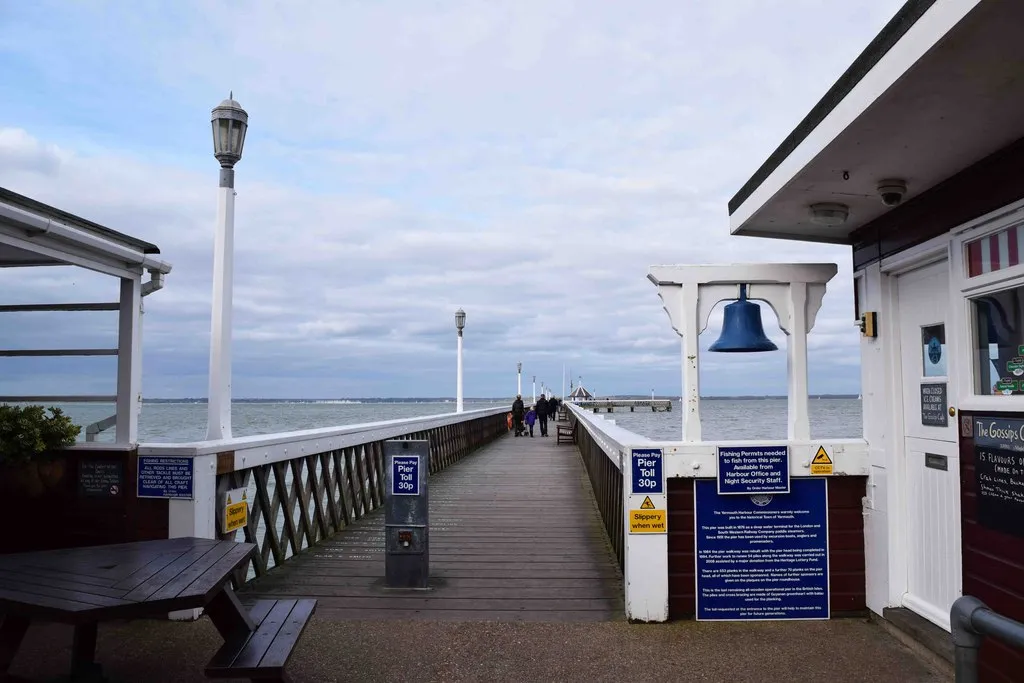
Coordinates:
[993,563]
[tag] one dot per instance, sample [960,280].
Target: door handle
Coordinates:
[952,411]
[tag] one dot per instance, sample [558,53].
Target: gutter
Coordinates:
[40,225]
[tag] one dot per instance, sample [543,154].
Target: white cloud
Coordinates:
[527,161]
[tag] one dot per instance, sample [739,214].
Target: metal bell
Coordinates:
[742,331]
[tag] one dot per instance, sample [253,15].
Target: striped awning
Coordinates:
[994,252]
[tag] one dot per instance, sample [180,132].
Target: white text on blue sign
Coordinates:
[749,470]
[405,475]
[648,470]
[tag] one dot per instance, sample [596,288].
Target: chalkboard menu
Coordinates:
[933,405]
[999,477]
[100,478]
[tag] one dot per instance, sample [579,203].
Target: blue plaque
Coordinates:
[405,475]
[762,557]
[164,477]
[648,470]
[746,470]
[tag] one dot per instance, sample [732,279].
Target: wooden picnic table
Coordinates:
[84,586]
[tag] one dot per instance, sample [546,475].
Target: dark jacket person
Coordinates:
[518,410]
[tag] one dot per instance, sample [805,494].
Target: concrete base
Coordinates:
[927,640]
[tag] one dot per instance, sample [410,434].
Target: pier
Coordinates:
[609,405]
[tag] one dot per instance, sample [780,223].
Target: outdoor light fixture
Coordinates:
[829,214]
[460,320]
[229,123]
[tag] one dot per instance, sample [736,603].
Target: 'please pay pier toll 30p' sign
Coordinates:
[648,502]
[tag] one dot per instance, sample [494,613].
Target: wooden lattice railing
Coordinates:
[296,503]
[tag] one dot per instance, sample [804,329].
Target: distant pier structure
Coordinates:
[609,405]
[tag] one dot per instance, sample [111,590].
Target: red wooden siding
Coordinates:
[993,569]
[62,518]
[845,539]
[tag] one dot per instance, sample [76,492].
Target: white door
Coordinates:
[931,465]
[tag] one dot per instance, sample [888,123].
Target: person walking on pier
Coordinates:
[542,415]
[531,417]
[517,413]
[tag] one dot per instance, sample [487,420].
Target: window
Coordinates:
[998,251]
[999,342]
[933,350]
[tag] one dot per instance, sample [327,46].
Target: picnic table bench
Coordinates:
[84,586]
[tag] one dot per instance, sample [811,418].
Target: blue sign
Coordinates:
[762,557]
[164,477]
[753,469]
[405,475]
[648,470]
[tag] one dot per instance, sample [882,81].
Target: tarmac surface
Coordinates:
[838,651]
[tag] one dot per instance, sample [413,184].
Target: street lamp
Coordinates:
[535,388]
[519,379]
[460,323]
[229,122]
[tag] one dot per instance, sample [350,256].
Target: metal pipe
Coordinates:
[970,622]
[39,224]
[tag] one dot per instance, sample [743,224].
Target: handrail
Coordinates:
[971,621]
[267,448]
[610,437]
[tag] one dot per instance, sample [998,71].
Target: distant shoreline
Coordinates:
[349,401]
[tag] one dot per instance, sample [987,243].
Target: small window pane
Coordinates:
[999,342]
[1004,249]
[933,350]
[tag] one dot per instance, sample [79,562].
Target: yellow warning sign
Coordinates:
[648,521]
[236,514]
[822,463]
[647,504]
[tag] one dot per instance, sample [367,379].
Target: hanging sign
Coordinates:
[933,405]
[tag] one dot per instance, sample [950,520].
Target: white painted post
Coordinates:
[535,388]
[799,427]
[645,556]
[458,378]
[129,360]
[691,361]
[519,379]
[195,518]
[218,424]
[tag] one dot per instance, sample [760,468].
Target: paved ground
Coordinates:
[838,651]
[515,535]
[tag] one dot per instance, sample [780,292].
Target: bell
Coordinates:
[742,331]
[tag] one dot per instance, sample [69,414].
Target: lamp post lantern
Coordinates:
[519,379]
[460,323]
[229,122]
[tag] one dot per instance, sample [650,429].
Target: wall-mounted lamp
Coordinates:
[868,324]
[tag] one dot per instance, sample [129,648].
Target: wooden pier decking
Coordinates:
[515,535]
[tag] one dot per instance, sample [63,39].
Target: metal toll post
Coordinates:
[406,514]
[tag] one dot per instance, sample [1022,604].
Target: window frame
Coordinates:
[962,317]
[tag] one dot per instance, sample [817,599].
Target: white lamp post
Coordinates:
[460,323]
[535,388]
[229,123]
[519,379]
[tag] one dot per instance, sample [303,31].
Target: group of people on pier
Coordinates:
[523,419]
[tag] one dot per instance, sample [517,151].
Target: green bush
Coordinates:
[28,433]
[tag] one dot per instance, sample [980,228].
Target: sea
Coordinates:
[721,418]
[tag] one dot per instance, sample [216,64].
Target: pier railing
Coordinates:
[305,486]
[602,444]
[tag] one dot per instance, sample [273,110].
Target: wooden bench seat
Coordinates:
[262,654]
[566,434]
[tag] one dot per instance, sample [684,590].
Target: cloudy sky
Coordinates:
[527,160]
